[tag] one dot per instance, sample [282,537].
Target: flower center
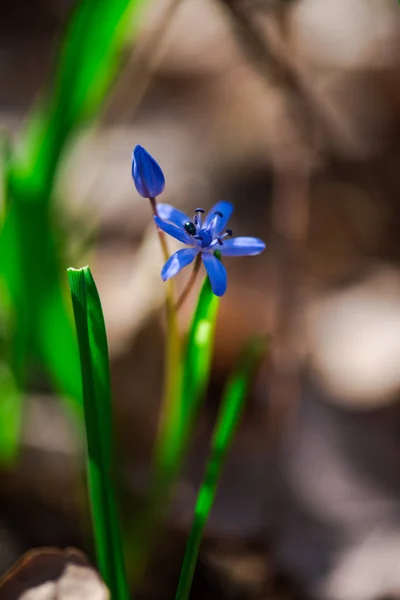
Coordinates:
[205,238]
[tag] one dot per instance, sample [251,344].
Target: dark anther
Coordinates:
[189,228]
[217,212]
[199,210]
[220,242]
[229,232]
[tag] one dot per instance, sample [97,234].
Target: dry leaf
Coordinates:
[52,574]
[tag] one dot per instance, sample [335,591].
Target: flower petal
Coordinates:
[223,207]
[170,213]
[216,273]
[176,232]
[147,173]
[177,261]
[241,246]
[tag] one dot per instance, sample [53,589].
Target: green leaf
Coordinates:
[227,421]
[31,268]
[199,351]
[10,417]
[89,60]
[196,371]
[93,350]
[30,276]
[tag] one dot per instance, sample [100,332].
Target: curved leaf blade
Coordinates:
[93,350]
[225,427]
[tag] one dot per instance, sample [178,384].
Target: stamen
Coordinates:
[198,237]
[228,232]
[197,218]
[217,212]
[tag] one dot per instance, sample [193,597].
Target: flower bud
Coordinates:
[146,173]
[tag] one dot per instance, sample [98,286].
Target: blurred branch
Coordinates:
[258,48]
[267,52]
[144,61]
[271,66]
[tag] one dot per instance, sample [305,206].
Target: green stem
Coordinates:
[173,368]
[170,413]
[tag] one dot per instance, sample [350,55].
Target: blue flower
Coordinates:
[147,173]
[204,238]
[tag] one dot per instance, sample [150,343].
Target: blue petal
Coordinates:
[147,174]
[169,213]
[178,234]
[177,261]
[241,246]
[226,209]
[216,273]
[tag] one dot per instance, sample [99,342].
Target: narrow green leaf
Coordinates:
[89,59]
[227,421]
[30,276]
[199,351]
[5,148]
[93,350]
[31,268]
[10,417]
[196,371]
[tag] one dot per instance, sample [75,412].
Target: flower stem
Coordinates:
[164,472]
[188,287]
[173,348]
[161,234]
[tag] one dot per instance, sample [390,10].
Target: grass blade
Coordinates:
[228,418]
[196,371]
[93,350]
[10,417]
[88,62]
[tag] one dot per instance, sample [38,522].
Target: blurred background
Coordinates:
[291,110]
